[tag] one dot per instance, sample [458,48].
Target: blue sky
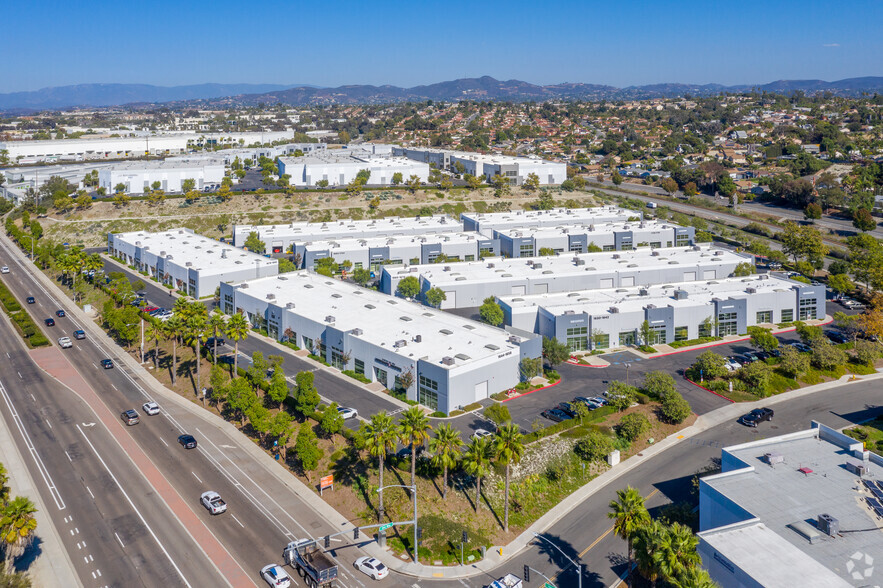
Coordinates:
[336,42]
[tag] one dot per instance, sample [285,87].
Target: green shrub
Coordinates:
[500,395]
[675,409]
[593,447]
[498,413]
[632,426]
[438,415]
[471,407]
[552,376]
[356,376]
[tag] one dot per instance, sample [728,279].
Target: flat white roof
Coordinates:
[383,319]
[581,227]
[205,254]
[350,243]
[596,302]
[305,231]
[178,164]
[549,217]
[348,157]
[492,270]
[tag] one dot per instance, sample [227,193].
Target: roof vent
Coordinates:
[418,338]
[718,252]
[370,306]
[329,319]
[580,261]
[244,285]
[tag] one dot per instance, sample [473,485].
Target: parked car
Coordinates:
[151,408]
[758,415]
[347,413]
[107,364]
[480,434]
[50,322]
[65,342]
[731,364]
[751,356]
[210,342]
[276,576]
[79,334]
[371,567]
[149,309]
[567,408]
[31,300]
[4,270]
[555,414]
[837,337]
[188,441]
[213,502]
[590,402]
[59,313]
[130,417]
[800,346]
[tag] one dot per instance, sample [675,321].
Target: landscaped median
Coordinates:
[22,319]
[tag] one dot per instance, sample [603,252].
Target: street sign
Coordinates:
[547,585]
[326,482]
[385,527]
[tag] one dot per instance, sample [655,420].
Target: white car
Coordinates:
[276,576]
[4,270]
[732,365]
[65,342]
[151,408]
[371,567]
[212,501]
[481,434]
[347,413]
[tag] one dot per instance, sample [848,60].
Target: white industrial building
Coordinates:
[188,262]
[466,285]
[250,156]
[802,509]
[36,176]
[373,252]
[340,168]
[50,151]
[448,361]
[488,222]
[602,319]
[139,176]
[613,236]
[516,169]
[281,238]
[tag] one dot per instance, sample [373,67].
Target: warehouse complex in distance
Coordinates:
[488,222]
[138,176]
[800,509]
[600,319]
[339,168]
[441,360]
[468,284]
[186,261]
[281,238]
[515,169]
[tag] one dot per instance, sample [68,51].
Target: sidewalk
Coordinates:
[52,565]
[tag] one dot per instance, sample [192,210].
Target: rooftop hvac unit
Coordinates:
[189,264]
[447,360]
[643,292]
[447,268]
[751,290]
[654,253]
[418,338]
[400,343]
[271,297]
[289,305]
[329,319]
[615,256]
[162,253]
[614,310]
[681,294]
[223,254]
[828,524]
[580,262]
[137,243]
[569,312]
[856,467]
[490,265]
[697,248]
[244,285]
[356,332]
[514,339]
[773,458]
[537,265]
[718,252]
[650,306]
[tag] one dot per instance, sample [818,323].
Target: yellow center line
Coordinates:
[599,539]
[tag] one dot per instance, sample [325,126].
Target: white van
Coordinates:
[651,205]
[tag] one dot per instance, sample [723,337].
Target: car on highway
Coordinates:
[65,342]
[107,364]
[555,414]
[213,502]
[347,412]
[187,441]
[276,576]
[31,300]
[371,567]
[150,408]
[758,415]
[4,270]
[130,417]
[59,313]
[480,434]
[79,334]
[50,322]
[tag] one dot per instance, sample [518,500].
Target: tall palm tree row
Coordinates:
[477,463]
[509,447]
[446,447]
[629,514]
[414,430]
[237,330]
[174,327]
[17,526]
[218,324]
[381,435]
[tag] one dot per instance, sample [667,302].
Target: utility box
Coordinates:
[613,458]
[828,524]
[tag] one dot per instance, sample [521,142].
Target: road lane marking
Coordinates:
[41,467]
[90,493]
[68,456]
[95,366]
[237,520]
[50,425]
[114,387]
[197,477]
[19,376]
[32,398]
[132,504]
[120,540]
[163,441]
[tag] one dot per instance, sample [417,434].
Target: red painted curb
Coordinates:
[532,391]
[710,390]
[577,364]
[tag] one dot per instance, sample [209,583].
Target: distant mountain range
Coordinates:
[483,88]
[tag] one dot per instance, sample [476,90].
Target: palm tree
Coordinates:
[217,324]
[17,526]
[185,309]
[647,553]
[629,515]
[174,327]
[237,329]
[509,448]
[155,332]
[4,487]
[695,577]
[678,552]
[381,434]
[477,462]
[414,430]
[446,445]
[196,327]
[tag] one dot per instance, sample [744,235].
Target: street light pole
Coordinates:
[627,366]
[414,490]
[579,567]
